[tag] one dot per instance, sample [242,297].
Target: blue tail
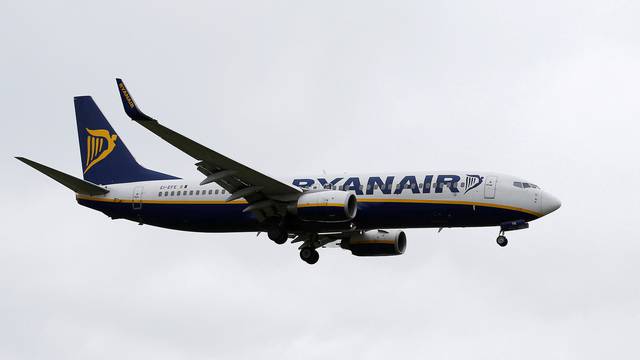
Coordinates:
[105,157]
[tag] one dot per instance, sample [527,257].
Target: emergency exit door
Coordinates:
[490,187]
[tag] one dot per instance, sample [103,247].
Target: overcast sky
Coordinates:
[545,90]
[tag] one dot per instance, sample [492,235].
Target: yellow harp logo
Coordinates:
[99,145]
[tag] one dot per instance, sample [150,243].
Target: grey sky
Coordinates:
[546,90]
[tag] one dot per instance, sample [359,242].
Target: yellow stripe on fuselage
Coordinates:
[361,200]
[450,202]
[177,202]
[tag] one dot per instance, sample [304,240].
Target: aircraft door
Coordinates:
[137,198]
[490,187]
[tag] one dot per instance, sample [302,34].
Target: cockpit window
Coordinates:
[524,185]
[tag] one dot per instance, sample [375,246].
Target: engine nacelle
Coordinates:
[376,243]
[326,206]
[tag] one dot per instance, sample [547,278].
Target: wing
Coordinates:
[262,192]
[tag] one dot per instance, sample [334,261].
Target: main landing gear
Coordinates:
[278,234]
[310,242]
[309,255]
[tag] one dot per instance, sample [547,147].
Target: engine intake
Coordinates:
[326,206]
[376,243]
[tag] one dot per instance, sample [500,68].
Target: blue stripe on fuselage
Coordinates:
[228,217]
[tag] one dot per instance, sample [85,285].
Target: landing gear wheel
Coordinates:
[309,255]
[502,241]
[278,235]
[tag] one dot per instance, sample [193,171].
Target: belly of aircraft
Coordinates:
[370,215]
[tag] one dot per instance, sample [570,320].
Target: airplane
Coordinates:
[361,213]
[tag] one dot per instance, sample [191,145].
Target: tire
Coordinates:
[283,239]
[309,255]
[278,235]
[315,258]
[502,241]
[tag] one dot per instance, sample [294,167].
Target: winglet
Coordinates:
[130,107]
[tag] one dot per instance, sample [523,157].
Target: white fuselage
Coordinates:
[418,199]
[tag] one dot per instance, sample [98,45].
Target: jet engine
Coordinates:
[376,243]
[326,206]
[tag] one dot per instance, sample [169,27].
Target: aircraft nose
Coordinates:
[549,203]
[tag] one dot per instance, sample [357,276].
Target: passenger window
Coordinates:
[191,192]
[211,192]
[178,193]
[173,193]
[166,193]
[223,191]
[517,184]
[216,191]
[197,192]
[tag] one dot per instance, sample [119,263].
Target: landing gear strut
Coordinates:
[309,255]
[278,235]
[510,226]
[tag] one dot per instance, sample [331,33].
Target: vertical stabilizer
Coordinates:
[105,157]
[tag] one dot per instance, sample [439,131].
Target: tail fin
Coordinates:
[105,157]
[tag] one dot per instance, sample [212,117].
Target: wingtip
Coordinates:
[130,107]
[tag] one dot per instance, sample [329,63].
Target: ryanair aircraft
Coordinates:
[314,211]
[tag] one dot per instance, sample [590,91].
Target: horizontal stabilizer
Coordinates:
[78,185]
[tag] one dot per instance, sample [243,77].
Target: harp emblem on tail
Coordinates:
[100,143]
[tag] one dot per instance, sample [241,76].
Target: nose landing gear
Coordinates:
[510,226]
[502,240]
